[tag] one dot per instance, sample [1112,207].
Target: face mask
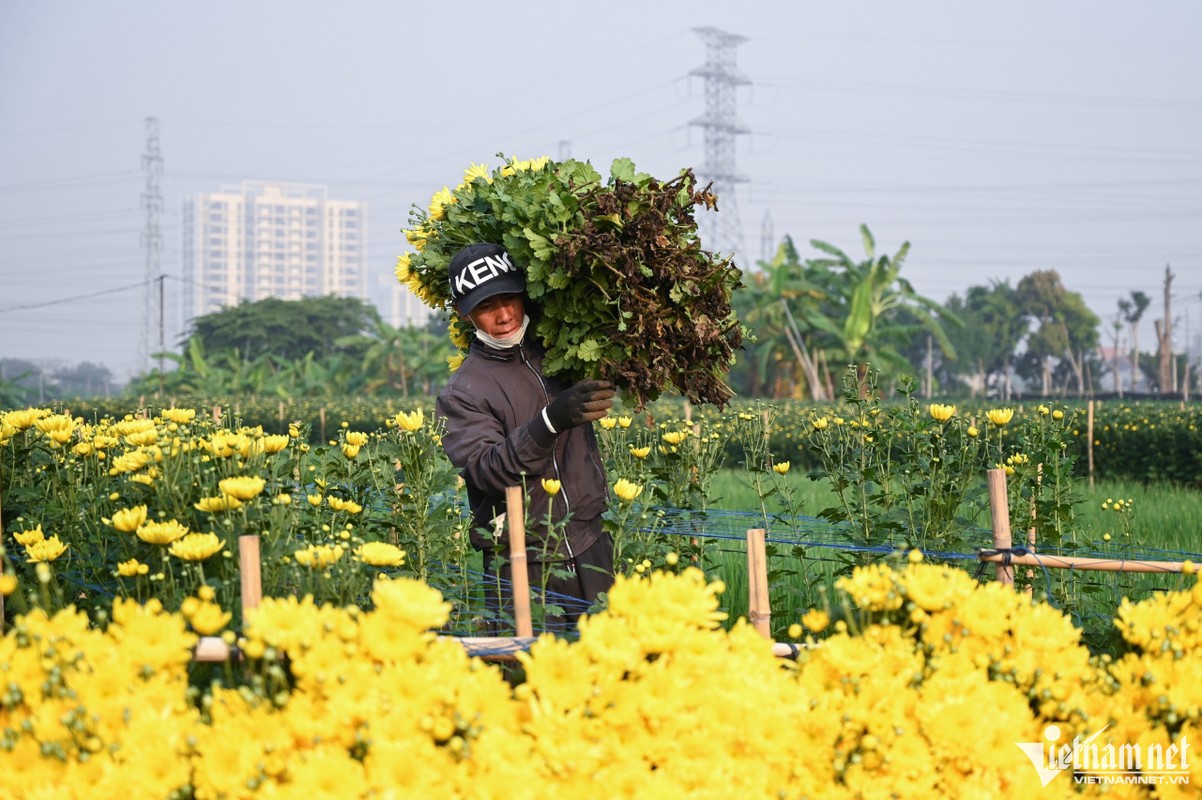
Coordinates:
[508,341]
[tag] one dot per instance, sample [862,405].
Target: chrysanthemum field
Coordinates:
[913,678]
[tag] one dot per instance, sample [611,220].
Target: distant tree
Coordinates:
[777,304]
[285,329]
[1133,309]
[83,380]
[986,342]
[21,382]
[861,301]
[1064,329]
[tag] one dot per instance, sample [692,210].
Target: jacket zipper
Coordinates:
[567,504]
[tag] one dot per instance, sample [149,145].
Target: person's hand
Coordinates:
[587,401]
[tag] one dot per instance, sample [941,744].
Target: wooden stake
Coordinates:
[211,649]
[999,515]
[515,514]
[1089,440]
[1089,564]
[250,570]
[759,612]
[1031,530]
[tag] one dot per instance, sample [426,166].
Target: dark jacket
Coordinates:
[495,433]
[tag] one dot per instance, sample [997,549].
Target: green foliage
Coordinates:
[280,348]
[286,329]
[622,286]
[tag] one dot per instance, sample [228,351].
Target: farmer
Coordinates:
[509,425]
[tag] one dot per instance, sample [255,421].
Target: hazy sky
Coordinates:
[996,138]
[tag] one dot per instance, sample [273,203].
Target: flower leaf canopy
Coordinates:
[621,286]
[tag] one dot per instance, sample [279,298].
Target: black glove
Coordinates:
[587,401]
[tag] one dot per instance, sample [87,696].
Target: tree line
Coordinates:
[806,319]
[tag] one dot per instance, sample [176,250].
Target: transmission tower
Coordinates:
[152,242]
[723,231]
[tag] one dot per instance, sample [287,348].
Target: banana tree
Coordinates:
[774,297]
[864,296]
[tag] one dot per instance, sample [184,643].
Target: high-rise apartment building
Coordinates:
[259,239]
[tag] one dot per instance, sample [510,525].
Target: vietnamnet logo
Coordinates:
[1091,762]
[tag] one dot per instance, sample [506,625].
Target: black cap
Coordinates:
[480,271]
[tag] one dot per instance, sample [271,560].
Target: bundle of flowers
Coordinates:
[624,289]
[926,685]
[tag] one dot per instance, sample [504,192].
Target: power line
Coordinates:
[74,299]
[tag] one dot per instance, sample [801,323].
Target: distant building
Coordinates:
[261,239]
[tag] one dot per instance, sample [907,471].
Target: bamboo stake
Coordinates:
[759,612]
[251,574]
[1083,563]
[1089,440]
[999,515]
[520,577]
[210,649]
[1031,530]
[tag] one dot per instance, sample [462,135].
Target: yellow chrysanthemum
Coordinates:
[132,568]
[627,490]
[181,416]
[319,556]
[381,554]
[349,506]
[439,202]
[356,438]
[162,533]
[941,412]
[8,584]
[215,505]
[31,536]
[675,437]
[1000,416]
[640,452]
[816,620]
[275,442]
[197,546]
[243,487]
[46,550]
[207,619]
[476,171]
[608,423]
[456,361]
[781,467]
[402,268]
[551,486]
[25,418]
[411,421]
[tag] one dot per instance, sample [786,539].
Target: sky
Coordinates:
[995,138]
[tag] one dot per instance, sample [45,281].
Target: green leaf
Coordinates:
[622,169]
[589,350]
